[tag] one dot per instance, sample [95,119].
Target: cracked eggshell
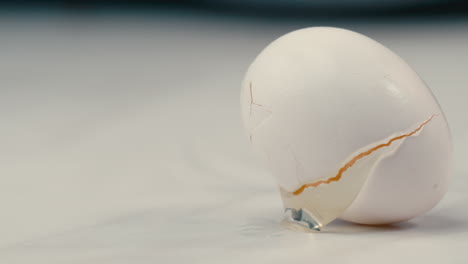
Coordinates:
[315,96]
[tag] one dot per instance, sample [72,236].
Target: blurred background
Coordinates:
[121,139]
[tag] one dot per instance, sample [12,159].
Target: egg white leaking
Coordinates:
[315,204]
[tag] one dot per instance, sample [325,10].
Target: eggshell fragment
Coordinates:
[317,98]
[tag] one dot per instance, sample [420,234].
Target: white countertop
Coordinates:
[121,142]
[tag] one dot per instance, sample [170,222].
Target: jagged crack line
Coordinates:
[259,124]
[252,98]
[251,104]
[359,156]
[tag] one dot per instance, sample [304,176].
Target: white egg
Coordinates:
[347,128]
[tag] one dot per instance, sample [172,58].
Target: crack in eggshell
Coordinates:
[266,116]
[252,98]
[350,163]
[260,106]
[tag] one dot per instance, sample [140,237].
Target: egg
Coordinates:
[347,129]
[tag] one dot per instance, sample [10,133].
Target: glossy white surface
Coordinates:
[111,155]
